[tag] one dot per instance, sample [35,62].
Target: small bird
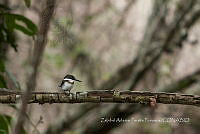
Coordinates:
[68,83]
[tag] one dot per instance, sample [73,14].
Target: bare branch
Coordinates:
[40,44]
[105,96]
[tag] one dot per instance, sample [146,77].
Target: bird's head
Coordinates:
[71,78]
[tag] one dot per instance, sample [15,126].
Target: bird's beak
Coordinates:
[78,80]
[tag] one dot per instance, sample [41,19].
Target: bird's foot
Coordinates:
[67,92]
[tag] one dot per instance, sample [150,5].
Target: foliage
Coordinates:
[9,22]
[27,3]
[5,122]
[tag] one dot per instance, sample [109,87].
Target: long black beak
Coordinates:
[78,80]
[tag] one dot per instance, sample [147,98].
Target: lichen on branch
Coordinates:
[103,96]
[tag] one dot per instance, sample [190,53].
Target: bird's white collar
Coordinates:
[70,80]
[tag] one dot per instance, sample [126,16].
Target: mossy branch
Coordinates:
[103,96]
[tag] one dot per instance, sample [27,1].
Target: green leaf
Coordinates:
[24,30]
[13,79]
[10,23]
[9,38]
[27,3]
[21,23]
[2,82]
[5,122]
[29,24]
[14,46]
[15,22]
[2,66]
[23,131]
[2,36]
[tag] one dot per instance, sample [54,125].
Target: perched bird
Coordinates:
[68,82]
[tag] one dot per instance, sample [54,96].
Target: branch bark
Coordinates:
[104,96]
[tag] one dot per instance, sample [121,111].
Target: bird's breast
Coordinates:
[67,86]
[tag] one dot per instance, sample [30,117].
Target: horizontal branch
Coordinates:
[104,96]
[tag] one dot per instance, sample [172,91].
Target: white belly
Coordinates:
[67,86]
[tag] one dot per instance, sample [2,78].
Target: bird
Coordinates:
[68,83]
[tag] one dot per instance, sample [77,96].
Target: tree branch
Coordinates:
[177,86]
[39,47]
[104,96]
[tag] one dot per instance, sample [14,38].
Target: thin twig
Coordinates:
[40,44]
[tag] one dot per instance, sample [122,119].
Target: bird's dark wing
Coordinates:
[61,83]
